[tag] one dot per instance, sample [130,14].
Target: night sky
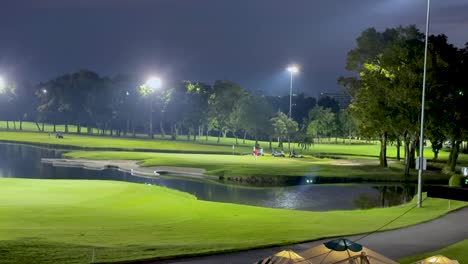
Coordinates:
[247,41]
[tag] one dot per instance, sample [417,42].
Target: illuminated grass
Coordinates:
[456,251]
[62,221]
[344,151]
[116,143]
[229,165]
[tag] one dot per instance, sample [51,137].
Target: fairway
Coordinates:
[57,221]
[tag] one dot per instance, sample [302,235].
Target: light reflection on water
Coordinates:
[24,162]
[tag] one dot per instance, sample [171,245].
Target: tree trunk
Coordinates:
[235,136]
[8,126]
[21,124]
[14,125]
[55,128]
[161,127]
[127,127]
[398,146]
[66,128]
[406,171]
[383,149]
[42,126]
[270,143]
[245,135]
[219,136]
[454,153]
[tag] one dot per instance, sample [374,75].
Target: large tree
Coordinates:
[222,102]
[386,90]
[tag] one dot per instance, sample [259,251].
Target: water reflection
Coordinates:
[24,162]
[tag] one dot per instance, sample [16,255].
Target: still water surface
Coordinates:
[23,161]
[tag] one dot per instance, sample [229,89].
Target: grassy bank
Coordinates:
[456,251]
[359,149]
[246,166]
[63,221]
[84,141]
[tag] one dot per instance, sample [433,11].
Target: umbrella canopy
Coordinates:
[343,251]
[437,259]
[343,244]
[284,257]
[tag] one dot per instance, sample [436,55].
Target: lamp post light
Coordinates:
[2,83]
[153,83]
[421,136]
[292,69]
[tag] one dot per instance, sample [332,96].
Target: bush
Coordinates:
[455,181]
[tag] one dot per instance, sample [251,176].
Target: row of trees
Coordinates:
[387,88]
[119,105]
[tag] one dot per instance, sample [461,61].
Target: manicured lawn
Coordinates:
[234,165]
[63,221]
[121,143]
[456,251]
[359,149]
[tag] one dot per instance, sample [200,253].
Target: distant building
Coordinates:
[343,99]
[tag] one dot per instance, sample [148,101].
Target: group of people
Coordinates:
[257,151]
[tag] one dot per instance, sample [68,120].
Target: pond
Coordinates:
[24,161]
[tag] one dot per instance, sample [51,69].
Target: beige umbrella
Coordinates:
[343,251]
[284,257]
[437,259]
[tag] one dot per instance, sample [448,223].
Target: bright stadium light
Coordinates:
[2,83]
[292,69]
[153,83]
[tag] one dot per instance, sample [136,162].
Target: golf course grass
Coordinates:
[96,142]
[266,166]
[359,150]
[456,251]
[79,221]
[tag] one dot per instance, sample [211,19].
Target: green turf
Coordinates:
[360,150]
[456,251]
[234,165]
[63,221]
[113,142]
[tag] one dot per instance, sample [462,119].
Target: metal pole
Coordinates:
[421,136]
[151,118]
[290,96]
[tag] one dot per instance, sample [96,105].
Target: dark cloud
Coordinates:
[249,41]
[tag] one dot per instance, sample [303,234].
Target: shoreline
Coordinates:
[129,166]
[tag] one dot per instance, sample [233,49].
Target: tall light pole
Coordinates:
[421,136]
[152,83]
[293,69]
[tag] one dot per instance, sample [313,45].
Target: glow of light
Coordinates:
[44,91]
[2,83]
[153,83]
[293,69]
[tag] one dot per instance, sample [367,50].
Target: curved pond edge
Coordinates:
[253,181]
[129,166]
